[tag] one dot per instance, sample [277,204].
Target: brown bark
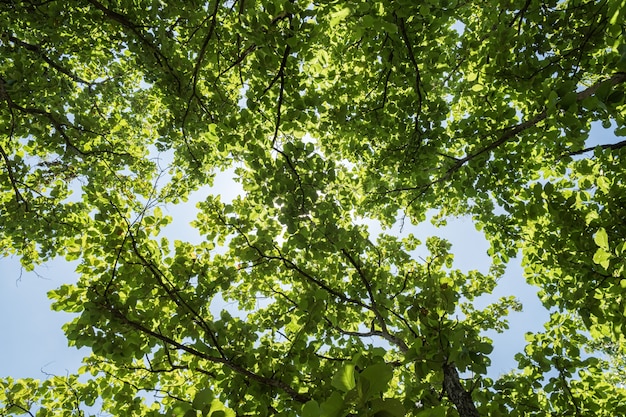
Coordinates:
[461,399]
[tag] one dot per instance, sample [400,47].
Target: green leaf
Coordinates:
[436,411]
[602,239]
[202,398]
[568,100]
[378,377]
[181,410]
[344,379]
[333,406]
[484,347]
[387,407]
[339,16]
[311,409]
[602,258]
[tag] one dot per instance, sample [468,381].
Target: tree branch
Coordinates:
[512,132]
[39,51]
[461,399]
[134,28]
[418,79]
[509,134]
[384,332]
[196,69]
[18,195]
[385,335]
[566,385]
[295,395]
[289,264]
[280,74]
[617,145]
[173,295]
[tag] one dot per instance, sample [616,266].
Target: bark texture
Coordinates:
[461,399]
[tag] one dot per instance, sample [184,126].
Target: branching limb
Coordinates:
[293,169]
[199,60]
[18,195]
[509,134]
[37,49]
[289,264]
[134,28]
[566,385]
[611,146]
[21,408]
[370,293]
[418,79]
[373,333]
[215,359]
[281,92]
[512,132]
[175,297]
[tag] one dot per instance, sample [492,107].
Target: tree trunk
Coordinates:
[456,393]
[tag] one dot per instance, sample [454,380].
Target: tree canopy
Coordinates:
[331,113]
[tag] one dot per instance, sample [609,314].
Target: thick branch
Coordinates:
[385,335]
[253,46]
[60,128]
[418,80]
[511,133]
[566,385]
[172,294]
[23,409]
[617,145]
[226,362]
[289,264]
[134,28]
[196,70]
[18,195]
[384,332]
[204,47]
[240,58]
[461,399]
[279,75]
[39,51]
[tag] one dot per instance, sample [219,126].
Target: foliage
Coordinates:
[331,112]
